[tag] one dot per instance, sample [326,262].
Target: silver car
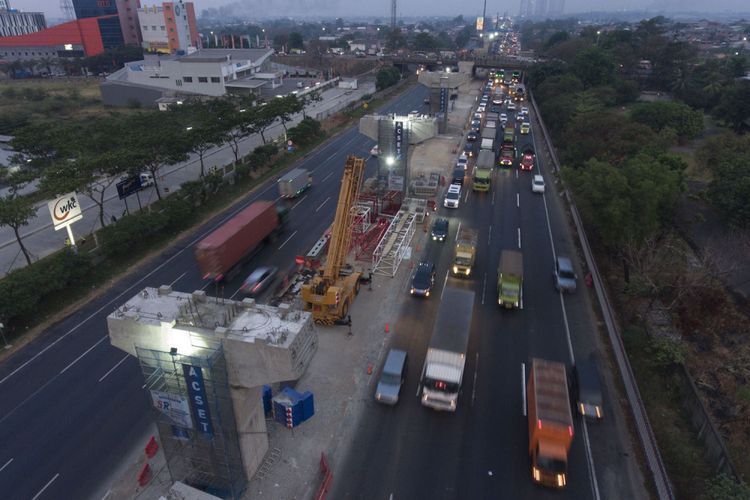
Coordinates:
[392,377]
[259,280]
[564,275]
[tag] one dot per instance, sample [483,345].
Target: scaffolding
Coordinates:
[209,460]
[395,243]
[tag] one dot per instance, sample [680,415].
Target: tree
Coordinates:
[155,150]
[259,119]
[627,204]
[728,158]
[203,122]
[734,106]
[280,41]
[394,40]
[15,212]
[594,66]
[686,121]
[424,41]
[296,41]
[387,77]
[283,108]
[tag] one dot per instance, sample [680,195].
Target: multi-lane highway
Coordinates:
[72,406]
[481,451]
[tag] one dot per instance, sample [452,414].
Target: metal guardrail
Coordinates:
[646,434]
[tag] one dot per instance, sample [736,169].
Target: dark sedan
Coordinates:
[424,278]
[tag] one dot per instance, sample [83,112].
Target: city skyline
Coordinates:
[416,8]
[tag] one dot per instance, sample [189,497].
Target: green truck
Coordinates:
[510,279]
[482,178]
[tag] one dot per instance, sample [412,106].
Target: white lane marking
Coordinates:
[516,174]
[458,230]
[445,282]
[321,205]
[82,355]
[300,201]
[327,176]
[489,236]
[287,240]
[519,237]
[523,388]
[484,287]
[493,196]
[466,198]
[107,494]
[6,464]
[114,367]
[518,200]
[590,460]
[177,279]
[586,441]
[46,486]
[127,291]
[474,385]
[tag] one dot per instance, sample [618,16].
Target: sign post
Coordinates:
[65,210]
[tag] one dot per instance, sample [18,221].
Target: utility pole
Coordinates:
[393,14]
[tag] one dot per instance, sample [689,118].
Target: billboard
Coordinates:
[174,406]
[198,398]
[65,210]
[480,23]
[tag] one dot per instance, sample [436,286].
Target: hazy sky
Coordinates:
[381,8]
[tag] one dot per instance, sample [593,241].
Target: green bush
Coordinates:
[262,155]
[130,232]
[685,120]
[24,290]
[306,132]
[723,487]
[387,77]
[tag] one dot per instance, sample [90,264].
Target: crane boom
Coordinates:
[341,234]
[329,294]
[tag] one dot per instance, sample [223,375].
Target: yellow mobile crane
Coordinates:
[329,294]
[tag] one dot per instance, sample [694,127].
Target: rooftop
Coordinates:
[214,55]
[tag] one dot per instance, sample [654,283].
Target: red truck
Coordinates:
[221,253]
[550,422]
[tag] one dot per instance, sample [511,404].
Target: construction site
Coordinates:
[219,371]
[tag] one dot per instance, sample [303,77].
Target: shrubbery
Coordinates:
[24,290]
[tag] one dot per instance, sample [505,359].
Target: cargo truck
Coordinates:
[446,354]
[465,252]
[510,279]
[489,133]
[294,183]
[221,254]
[482,178]
[550,422]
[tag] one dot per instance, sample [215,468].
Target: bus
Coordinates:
[516,76]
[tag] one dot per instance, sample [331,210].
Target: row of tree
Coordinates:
[89,156]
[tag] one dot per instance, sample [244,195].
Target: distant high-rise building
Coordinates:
[556,7]
[109,26]
[128,12]
[541,8]
[169,27]
[14,22]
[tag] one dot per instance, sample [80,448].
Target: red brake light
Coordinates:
[570,430]
[539,424]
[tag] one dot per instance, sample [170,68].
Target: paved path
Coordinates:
[41,240]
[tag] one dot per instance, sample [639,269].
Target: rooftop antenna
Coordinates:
[393,14]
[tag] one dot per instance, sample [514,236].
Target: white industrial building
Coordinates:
[207,72]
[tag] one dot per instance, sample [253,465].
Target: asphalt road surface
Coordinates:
[481,450]
[73,406]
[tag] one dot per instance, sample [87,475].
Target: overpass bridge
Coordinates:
[482,61]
